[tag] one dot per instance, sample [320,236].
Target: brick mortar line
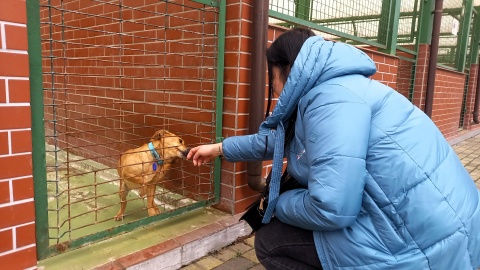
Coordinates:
[16,154]
[16,203]
[17,226]
[15,178]
[3,35]
[16,250]
[12,24]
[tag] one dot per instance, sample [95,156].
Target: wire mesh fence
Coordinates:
[344,20]
[355,22]
[114,73]
[408,24]
[453,12]
[367,24]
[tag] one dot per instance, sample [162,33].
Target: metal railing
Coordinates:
[395,27]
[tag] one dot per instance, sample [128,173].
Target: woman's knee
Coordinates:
[261,244]
[269,237]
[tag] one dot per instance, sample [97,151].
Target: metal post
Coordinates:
[432,63]
[426,22]
[302,9]
[462,44]
[474,59]
[219,94]
[388,25]
[38,128]
[475,42]
[257,85]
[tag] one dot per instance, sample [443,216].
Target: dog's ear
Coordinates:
[158,135]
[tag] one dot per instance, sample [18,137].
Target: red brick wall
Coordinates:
[405,76]
[387,67]
[447,104]
[17,213]
[152,80]
[121,73]
[448,95]
[234,187]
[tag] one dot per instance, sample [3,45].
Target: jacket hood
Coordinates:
[317,62]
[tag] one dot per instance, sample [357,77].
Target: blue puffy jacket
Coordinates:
[383,188]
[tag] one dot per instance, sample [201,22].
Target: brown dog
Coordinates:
[144,167]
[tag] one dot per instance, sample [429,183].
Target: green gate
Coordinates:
[109,73]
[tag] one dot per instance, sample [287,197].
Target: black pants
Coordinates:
[282,246]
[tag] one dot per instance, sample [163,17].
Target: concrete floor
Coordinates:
[140,239]
[82,203]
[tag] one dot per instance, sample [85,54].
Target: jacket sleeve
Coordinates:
[249,147]
[336,143]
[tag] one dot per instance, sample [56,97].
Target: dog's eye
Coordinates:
[181,141]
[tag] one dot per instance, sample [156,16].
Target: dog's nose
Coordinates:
[185,153]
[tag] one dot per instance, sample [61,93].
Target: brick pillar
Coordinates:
[235,194]
[17,213]
[472,85]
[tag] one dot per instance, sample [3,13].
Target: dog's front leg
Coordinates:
[123,200]
[152,208]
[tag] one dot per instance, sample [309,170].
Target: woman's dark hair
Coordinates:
[282,53]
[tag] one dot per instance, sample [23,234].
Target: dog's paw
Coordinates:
[118,217]
[153,211]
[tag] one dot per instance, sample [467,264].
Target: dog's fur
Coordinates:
[135,168]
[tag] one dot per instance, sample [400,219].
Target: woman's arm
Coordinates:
[238,148]
[249,147]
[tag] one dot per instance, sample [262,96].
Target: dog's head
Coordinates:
[171,145]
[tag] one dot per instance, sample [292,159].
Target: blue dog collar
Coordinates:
[155,155]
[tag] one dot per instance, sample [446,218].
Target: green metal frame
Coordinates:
[315,26]
[219,97]
[389,20]
[425,22]
[38,129]
[462,44]
[473,58]
[38,140]
[302,9]
[413,29]
[387,38]
[474,47]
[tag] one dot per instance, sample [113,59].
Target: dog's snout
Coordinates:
[185,153]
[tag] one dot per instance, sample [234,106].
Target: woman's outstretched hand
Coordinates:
[204,153]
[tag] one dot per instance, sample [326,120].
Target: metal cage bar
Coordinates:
[38,132]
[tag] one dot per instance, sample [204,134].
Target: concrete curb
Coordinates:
[464,137]
[182,250]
